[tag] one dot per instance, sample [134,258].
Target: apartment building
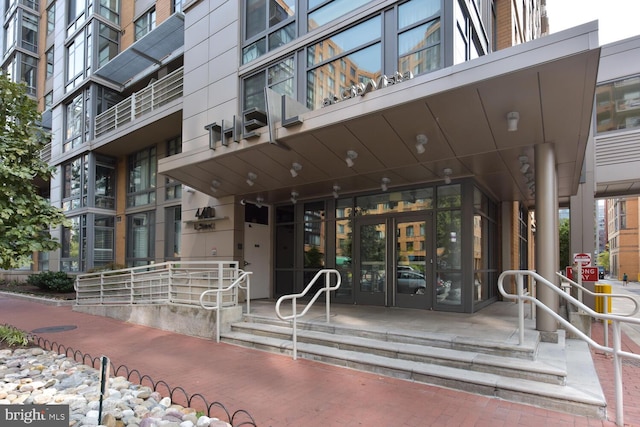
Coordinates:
[376,137]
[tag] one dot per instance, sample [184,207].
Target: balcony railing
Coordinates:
[45,153]
[140,103]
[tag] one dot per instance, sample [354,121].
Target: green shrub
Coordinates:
[57,281]
[12,336]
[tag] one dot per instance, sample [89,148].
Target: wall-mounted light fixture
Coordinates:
[447,175]
[189,189]
[512,121]
[351,156]
[215,184]
[421,141]
[336,191]
[295,168]
[251,179]
[524,163]
[384,183]
[294,197]
[259,201]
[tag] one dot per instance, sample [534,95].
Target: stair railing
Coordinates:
[245,276]
[616,350]
[605,301]
[327,288]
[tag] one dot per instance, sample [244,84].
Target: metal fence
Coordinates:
[152,97]
[169,282]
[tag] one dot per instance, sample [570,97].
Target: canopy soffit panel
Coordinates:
[462,110]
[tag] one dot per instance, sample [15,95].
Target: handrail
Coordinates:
[599,294]
[616,350]
[244,276]
[293,297]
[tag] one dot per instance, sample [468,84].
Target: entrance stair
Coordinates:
[558,376]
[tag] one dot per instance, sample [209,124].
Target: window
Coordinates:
[103,242]
[105,184]
[145,24]
[10,33]
[409,231]
[74,190]
[77,12]
[279,77]
[142,178]
[28,72]
[360,47]
[49,72]
[109,9]
[77,121]
[269,24]
[78,59]
[29,32]
[618,105]
[622,212]
[173,232]
[107,44]
[176,6]
[173,188]
[51,18]
[48,101]
[419,36]
[73,245]
[329,11]
[140,238]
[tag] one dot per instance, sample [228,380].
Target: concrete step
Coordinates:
[557,376]
[527,351]
[480,362]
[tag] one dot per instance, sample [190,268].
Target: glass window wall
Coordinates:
[142,178]
[140,238]
[618,105]
[269,24]
[145,24]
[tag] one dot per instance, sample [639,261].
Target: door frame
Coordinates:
[376,278]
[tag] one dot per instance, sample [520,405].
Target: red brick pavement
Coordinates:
[278,391]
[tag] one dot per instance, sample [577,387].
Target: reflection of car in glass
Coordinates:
[414,282]
[601,272]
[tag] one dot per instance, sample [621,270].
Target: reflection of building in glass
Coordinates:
[618,104]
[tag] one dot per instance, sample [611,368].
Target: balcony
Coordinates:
[139,104]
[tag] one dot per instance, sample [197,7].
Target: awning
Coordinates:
[150,50]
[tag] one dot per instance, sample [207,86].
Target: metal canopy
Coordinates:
[461,109]
[150,50]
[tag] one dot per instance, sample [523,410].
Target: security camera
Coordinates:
[243,202]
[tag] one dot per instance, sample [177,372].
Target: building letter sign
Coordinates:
[361,89]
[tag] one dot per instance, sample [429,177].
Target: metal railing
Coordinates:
[152,97]
[616,350]
[245,276]
[176,282]
[294,297]
[605,299]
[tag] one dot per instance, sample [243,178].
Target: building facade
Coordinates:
[400,142]
[622,229]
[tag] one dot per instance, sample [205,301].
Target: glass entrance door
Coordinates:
[371,265]
[412,281]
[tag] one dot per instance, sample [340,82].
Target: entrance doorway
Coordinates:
[394,265]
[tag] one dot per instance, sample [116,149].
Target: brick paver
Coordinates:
[278,391]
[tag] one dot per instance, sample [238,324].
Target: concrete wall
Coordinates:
[211,88]
[193,321]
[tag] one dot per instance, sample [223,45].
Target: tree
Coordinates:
[564,239]
[25,216]
[603,260]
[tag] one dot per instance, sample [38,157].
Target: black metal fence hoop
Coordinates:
[83,358]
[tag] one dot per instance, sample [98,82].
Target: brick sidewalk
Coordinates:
[279,392]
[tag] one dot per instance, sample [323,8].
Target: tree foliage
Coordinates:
[564,240]
[25,216]
[603,260]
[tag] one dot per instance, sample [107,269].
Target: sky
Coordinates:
[619,19]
